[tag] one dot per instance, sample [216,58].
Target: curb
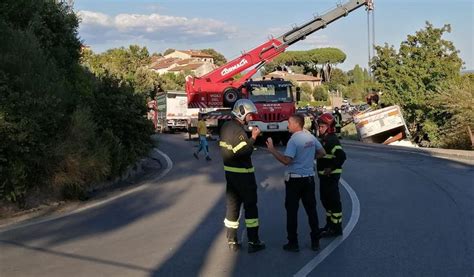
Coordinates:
[464,155]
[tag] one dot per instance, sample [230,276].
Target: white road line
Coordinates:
[311,265]
[168,167]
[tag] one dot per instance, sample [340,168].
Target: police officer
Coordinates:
[236,149]
[329,170]
[301,150]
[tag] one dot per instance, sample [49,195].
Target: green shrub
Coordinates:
[83,157]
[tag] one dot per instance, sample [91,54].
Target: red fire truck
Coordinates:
[274,98]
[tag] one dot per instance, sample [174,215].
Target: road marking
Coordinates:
[168,167]
[311,265]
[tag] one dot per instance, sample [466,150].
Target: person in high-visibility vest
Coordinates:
[329,169]
[338,119]
[241,188]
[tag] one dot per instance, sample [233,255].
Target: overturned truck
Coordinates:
[381,126]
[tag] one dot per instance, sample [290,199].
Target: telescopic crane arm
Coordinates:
[220,79]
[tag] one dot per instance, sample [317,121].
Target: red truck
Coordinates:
[274,98]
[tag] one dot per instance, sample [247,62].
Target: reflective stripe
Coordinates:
[239,146]
[329,156]
[225,145]
[233,149]
[332,172]
[328,213]
[252,222]
[239,169]
[231,224]
[335,148]
[336,217]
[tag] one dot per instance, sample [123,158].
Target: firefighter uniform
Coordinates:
[236,149]
[329,184]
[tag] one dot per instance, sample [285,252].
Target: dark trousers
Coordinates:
[331,198]
[241,189]
[304,189]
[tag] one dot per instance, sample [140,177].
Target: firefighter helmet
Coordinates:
[328,119]
[243,107]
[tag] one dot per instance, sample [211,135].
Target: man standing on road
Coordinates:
[202,132]
[329,172]
[301,150]
[236,149]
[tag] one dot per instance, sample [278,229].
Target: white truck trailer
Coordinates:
[173,111]
[381,126]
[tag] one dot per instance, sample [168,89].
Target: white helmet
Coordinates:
[243,107]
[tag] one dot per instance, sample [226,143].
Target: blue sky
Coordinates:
[231,27]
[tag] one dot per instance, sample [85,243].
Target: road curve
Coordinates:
[416,219]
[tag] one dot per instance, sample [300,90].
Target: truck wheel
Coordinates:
[231,95]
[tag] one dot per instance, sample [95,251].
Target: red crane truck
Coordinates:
[274,98]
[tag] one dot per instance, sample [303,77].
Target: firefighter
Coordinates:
[241,188]
[329,170]
[338,119]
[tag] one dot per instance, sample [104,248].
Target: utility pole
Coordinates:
[370,37]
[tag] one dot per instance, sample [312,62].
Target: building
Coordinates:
[194,55]
[298,79]
[184,61]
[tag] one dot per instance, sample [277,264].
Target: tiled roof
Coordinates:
[192,66]
[185,61]
[195,53]
[164,63]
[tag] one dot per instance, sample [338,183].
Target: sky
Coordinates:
[231,27]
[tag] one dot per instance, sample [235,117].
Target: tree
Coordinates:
[168,51]
[424,66]
[309,60]
[357,75]
[306,93]
[50,137]
[219,59]
[456,105]
[128,65]
[320,93]
[338,79]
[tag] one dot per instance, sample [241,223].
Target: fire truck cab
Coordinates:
[275,103]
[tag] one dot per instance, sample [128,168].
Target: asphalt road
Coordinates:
[416,218]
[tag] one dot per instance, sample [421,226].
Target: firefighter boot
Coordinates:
[232,241]
[328,223]
[254,242]
[315,241]
[334,230]
[234,246]
[255,246]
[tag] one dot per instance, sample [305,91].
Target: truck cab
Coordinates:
[274,101]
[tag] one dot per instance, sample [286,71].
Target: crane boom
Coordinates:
[217,88]
[320,22]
